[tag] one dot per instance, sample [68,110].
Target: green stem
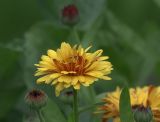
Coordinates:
[40,116]
[86,108]
[75,106]
[76,35]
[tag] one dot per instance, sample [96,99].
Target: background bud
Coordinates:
[142,114]
[70,15]
[36,98]
[67,96]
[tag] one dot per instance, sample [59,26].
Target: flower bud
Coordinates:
[36,98]
[142,114]
[67,97]
[70,15]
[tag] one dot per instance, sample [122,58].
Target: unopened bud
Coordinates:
[142,114]
[70,15]
[67,97]
[36,98]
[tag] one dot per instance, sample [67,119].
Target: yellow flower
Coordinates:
[72,66]
[154,102]
[146,97]
[139,96]
[111,107]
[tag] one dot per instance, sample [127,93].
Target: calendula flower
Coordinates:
[111,107]
[139,96]
[154,103]
[144,101]
[72,67]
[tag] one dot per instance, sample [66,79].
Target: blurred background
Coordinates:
[128,31]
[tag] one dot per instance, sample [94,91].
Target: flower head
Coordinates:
[70,14]
[72,67]
[36,98]
[144,101]
[111,107]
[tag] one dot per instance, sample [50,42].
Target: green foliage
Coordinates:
[52,113]
[125,106]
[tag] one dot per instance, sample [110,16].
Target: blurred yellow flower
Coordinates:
[72,66]
[154,102]
[139,96]
[146,97]
[111,107]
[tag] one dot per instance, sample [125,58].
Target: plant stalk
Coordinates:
[40,116]
[75,106]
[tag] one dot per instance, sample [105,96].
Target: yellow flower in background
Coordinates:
[111,107]
[154,102]
[72,66]
[139,96]
[144,98]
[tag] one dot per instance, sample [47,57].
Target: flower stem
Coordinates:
[40,116]
[75,105]
[76,36]
[86,108]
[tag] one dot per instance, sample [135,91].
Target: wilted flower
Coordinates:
[70,14]
[72,66]
[144,101]
[36,98]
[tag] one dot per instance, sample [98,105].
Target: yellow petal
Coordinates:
[103,58]
[40,73]
[59,88]
[52,54]
[64,78]
[74,80]
[86,50]
[85,84]
[95,73]
[46,58]
[55,75]
[44,78]
[52,77]
[54,82]
[106,78]
[67,85]
[48,81]
[77,86]
[89,79]
[81,79]
[42,69]
[68,72]
[98,53]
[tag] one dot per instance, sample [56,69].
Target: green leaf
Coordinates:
[16,18]
[11,81]
[157,2]
[125,106]
[52,113]
[70,118]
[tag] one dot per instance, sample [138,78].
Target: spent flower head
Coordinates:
[36,98]
[72,67]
